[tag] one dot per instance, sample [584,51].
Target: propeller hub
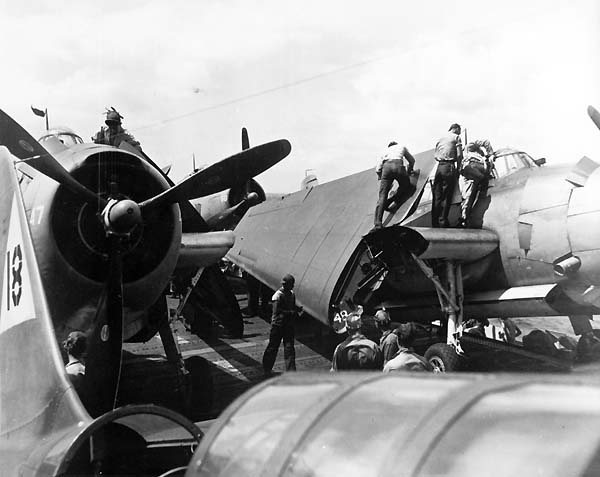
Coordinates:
[253,198]
[120,217]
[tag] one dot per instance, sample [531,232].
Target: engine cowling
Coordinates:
[72,245]
[225,209]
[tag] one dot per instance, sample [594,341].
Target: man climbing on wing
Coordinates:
[395,165]
[474,175]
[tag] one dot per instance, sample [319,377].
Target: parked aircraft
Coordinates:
[112,233]
[532,251]
[44,428]
[223,210]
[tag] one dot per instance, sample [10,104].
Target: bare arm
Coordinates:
[459,152]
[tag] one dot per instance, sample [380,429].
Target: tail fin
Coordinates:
[44,428]
[37,402]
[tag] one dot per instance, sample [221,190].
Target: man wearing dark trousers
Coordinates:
[448,154]
[285,312]
[474,175]
[395,165]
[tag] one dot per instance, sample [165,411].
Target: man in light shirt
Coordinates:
[406,359]
[395,165]
[448,154]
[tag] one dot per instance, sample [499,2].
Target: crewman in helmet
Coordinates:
[406,359]
[356,352]
[389,339]
[114,134]
[474,174]
[285,312]
[395,165]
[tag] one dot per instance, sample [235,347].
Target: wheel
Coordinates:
[443,358]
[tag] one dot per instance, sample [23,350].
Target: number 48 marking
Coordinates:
[14,281]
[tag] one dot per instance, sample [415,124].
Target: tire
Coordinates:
[443,358]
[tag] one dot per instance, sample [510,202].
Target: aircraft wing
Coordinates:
[313,233]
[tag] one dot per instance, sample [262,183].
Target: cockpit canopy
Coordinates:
[64,135]
[510,160]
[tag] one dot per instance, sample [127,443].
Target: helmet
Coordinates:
[353,322]
[406,333]
[382,317]
[345,321]
[472,147]
[113,116]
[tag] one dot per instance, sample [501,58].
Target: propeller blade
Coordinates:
[594,115]
[22,145]
[238,210]
[236,169]
[245,140]
[104,359]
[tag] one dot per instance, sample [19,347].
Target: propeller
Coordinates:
[246,145]
[245,140]
[224,174]
[105,347]
[20,143]
[594,115]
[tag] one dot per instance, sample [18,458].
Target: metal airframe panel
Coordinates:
[249,438]
[277,238]
[354,439]
[541,417]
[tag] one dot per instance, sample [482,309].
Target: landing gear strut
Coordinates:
[447,356]
[195,383]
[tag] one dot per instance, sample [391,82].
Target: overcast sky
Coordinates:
[339,79]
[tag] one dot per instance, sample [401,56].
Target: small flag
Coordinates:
[38,112]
